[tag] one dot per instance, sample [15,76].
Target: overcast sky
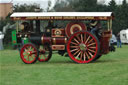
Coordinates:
[43,3]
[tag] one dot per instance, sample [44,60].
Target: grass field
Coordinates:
[111,69]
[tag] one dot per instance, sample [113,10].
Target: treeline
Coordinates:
[120,11]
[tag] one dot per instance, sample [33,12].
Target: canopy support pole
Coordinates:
[37,26]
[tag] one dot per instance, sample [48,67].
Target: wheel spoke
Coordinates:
[87,55]
[76,52]
[76,41]
[74,46]
[84,38]
[91,44]
[90,54]
[87,39]
[90,40]
[44,56]
[81,56]
[32,56]
[84,56]
[92,47]
[78,38]
[73,50]
[81,38]
[28,57]
[78,55]
[26,54]
[30,48]
[91,50]
[26,50]
[34,52]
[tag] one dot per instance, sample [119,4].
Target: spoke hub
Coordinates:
[29,53]
[82,47]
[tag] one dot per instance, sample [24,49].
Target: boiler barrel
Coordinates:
[59,41]
[38,39]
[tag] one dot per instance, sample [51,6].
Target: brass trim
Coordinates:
[111,24]
[54,40]
[58,47]
[65,40]
[42,39]
[75,25]
[108,24]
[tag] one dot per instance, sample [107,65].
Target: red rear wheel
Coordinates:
[45,53]
[83,47]
[29,54]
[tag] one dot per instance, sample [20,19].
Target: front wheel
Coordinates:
[83,47]
[29,53]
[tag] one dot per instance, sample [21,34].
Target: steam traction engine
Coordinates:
[76,38]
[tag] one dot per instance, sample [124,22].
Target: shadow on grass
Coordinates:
[72,62]
[105,61]
[56,62]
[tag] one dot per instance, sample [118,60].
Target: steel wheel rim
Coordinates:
[83,54]
[43,56]
[28,54]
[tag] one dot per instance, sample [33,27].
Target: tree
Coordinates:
[49,5]
[62,6]
[121,14]
[101,8]
[85,5]
[112,6]
[124,15]
[26,7]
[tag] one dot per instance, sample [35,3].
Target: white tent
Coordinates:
[1,40]
[124,36]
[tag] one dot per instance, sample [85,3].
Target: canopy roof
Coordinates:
[62,15]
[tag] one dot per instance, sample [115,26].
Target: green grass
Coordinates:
[110,69]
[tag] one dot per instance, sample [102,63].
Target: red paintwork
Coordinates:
[104,45]
[58,47]
[104,42]
[61,30]
[34,52]
[46,40]
[72,56]
[59,41]
[68,29]
[54,40]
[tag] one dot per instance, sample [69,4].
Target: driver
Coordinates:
[95,26]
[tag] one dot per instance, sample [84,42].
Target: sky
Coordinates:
[107,1]
[44,3]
